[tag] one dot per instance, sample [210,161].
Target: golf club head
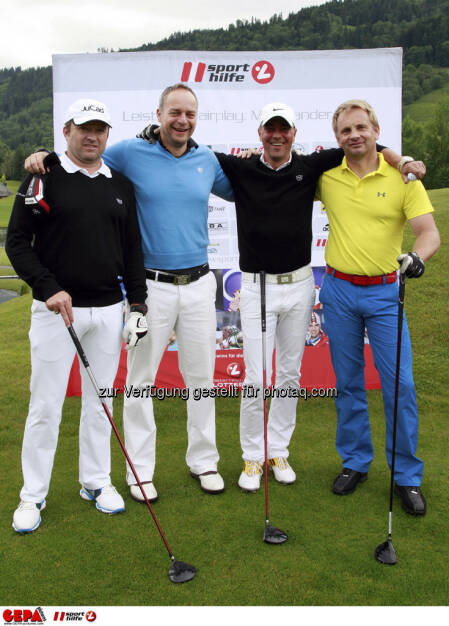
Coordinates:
[274,535]
[180,572]
[385,553]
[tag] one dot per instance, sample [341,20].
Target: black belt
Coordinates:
[189,276]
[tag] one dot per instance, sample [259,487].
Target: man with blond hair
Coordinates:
[368,207]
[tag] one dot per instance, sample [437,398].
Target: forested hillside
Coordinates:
[421,27]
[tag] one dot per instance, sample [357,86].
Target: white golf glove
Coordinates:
[135,328]
[411,265]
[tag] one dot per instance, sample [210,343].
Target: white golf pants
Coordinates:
[52,353]
[288,311]
[190,310]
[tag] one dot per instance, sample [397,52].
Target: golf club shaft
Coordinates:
[396,392]
[85,362]
[263,318]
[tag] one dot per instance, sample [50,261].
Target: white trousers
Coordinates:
[288,311]
[52,353]
[190,310]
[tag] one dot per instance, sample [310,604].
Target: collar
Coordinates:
[279,168]
[71,167]
[382,168]
[151,134]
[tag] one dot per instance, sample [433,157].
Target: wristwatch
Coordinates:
[403,161]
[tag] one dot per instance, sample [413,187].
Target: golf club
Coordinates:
[385,552]
[271,533]
[179,572]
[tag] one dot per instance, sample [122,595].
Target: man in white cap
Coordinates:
[72,234]
[274,194]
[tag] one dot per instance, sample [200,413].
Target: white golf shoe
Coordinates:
[148,487]
[211,482]
[250,477]
[27,516]
[107,499]
[282,470]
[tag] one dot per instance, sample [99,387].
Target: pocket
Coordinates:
[323,290]
[48,335]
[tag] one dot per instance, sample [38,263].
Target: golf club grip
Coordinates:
[78,346]
[263,301]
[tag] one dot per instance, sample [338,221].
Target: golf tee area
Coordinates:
[80,557]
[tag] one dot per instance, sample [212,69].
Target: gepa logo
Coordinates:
[262,72]
[24,616]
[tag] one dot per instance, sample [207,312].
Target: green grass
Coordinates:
[6,203]
[80,557]
[3,257]
[423,109]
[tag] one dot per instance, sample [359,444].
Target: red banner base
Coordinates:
[316,371]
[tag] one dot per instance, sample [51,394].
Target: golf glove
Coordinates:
[135,328]
[411,265]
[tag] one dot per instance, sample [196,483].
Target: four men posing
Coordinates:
[274,196]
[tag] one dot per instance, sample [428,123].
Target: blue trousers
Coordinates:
[348,309]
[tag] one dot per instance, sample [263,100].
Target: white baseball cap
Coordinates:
[85,110]
[277,109]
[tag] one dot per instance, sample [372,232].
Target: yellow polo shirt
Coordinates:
[367,217]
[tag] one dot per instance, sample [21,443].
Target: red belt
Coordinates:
[363,280]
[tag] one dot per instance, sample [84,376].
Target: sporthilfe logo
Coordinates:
[235,370]
[262,72]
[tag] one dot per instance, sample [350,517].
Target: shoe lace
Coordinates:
[252,468]
[109,490]
[280,461]
[27,506]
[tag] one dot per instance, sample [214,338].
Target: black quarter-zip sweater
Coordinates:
[89,237]
[274,208]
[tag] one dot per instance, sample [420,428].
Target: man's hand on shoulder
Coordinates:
[34,164]
[246,154]
[413,167]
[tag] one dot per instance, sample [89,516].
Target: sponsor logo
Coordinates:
[218,226]
[74,616]
[326,228]
[93,107]
[321,243]
[235,370]
[299,177]
[119,200]
[318,148]
[24,616]
[381,194]
[262,72]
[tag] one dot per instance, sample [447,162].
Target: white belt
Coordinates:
[280,279]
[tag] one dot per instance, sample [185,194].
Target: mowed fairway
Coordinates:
[79,556]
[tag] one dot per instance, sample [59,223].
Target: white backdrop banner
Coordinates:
[232,87]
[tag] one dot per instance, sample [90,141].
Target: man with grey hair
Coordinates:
[173,177]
